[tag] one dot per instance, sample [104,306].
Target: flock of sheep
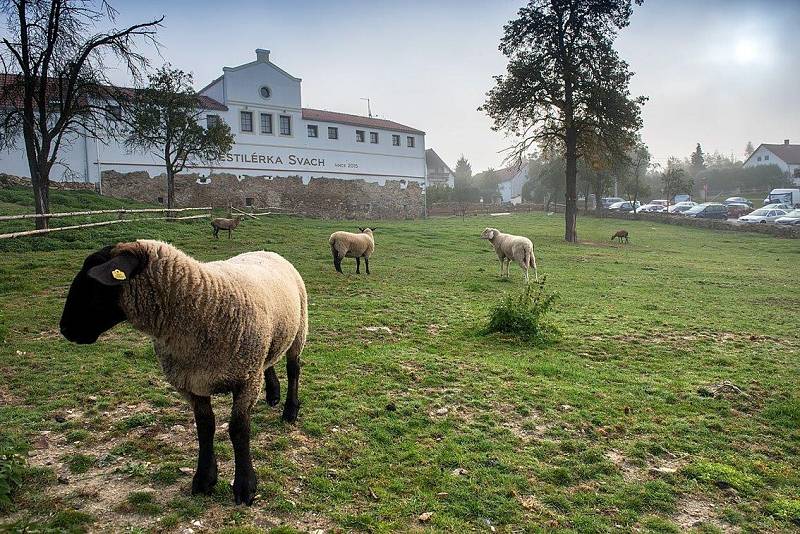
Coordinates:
[221,326]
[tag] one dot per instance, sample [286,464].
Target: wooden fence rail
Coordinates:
[101,223]
[97,212]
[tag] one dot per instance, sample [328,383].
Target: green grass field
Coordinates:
[619,425]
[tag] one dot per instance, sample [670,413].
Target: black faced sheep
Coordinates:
[217,327]
[621,234]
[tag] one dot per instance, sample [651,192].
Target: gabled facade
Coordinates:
[786,156]
[438,171]
[511,180]
[274,137]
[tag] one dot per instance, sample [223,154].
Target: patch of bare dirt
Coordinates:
[694,511]
[662,337]
[654,467]
[9,399]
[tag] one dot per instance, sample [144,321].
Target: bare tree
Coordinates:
[54,85]
[165,120]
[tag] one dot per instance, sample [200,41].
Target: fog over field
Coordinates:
[717,72]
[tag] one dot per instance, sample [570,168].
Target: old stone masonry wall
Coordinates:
[328,198]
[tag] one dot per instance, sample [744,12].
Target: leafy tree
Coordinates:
[55,63]
[748,150]
[165,120]
[698,160]
[674,180]
[634,185]
[463,172]
[565,81]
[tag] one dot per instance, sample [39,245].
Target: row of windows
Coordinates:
[766,158]
[265,127]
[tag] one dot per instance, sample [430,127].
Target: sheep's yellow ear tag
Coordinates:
[118,275]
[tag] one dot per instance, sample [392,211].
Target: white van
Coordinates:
[785,196]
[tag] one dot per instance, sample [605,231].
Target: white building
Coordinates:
[274,136]
[786,156]
[438,171]
[510,182]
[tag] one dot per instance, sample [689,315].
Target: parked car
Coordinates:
[708,210]
[625,206]
[777,206]
[607,201]
[655,206]
[681,198]
[736,209]
[762,215]
[793,217]
[681,207]
[737,200]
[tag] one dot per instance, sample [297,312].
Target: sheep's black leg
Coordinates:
[244,478]
[358,265]
[292,405]
[273,386]
[205,478]
[366,262]
[337,261]
[216,233]
[229,233]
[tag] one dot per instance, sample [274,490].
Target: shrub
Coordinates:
[11,471]
[523,315]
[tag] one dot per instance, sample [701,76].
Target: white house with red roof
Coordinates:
[274,136]
[786,156]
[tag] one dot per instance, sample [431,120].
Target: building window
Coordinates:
[373,138]
[212,120]
[248,201]
[265,92]
[160,200]
[246,120]
[286,125]
[114,113]
[395,140]
[759,158]
[359,136]
[766,157]
[410,141]
[266,123]
[333,133]
[313,131]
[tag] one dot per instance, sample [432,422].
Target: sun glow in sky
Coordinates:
[747,51]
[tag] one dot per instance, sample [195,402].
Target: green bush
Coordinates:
[11,471]
[523,315]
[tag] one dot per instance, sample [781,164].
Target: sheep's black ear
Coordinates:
[360,229]
[115,271]
[373,228]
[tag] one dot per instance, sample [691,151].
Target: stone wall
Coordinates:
[327,198]
[8,180]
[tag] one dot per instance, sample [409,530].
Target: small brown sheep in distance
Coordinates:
[350,245]
[512,247]
[621,234]
[224,224]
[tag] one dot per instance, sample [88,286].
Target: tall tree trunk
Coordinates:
[40,182]
[571,195]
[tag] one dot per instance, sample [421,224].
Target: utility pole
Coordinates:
[369,108]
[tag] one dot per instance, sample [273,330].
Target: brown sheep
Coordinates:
[224,224]
[621,234]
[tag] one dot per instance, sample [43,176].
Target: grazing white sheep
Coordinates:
[512,247]
[217,327]
[350,245]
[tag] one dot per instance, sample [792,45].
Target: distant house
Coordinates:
[785,156]
[438,171]
[510,182]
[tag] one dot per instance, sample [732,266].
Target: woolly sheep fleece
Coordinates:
[511,247]
[350,245]
[218,323]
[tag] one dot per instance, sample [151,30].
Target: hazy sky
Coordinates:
[718,72]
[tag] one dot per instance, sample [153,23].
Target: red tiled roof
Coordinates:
[204,101]
[356,120]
